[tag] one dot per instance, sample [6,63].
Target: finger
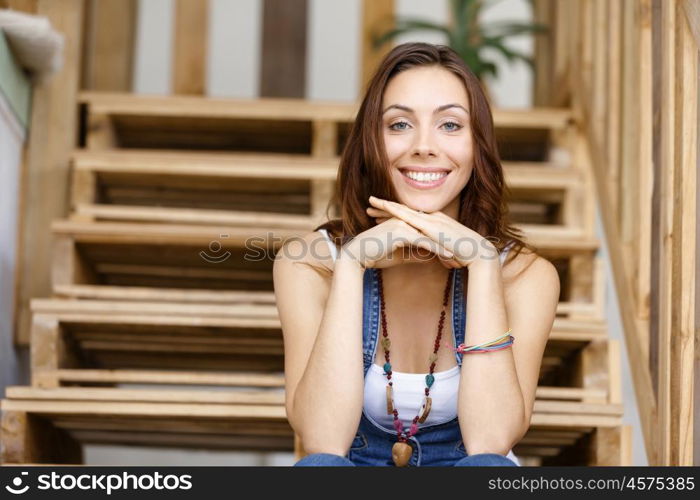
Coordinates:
[419,239]
[449,263]
[419,220]
[376,212]
[432,247]
[430,225]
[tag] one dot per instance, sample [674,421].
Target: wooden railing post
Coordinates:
[52,137]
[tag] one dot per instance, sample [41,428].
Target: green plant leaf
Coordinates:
[406,25]
[510,29]
[491,68]
[485,68]
[420,24]
[510,54]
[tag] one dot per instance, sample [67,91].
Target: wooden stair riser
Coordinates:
[195,418]
[121,335]
[216,258]
[275,125]
[205,189]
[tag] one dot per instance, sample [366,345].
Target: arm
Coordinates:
[322,329]
[497,389]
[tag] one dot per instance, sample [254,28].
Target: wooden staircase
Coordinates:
[163,331]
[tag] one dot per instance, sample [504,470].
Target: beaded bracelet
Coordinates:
[493,345]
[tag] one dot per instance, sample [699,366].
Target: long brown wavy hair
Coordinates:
[364,165]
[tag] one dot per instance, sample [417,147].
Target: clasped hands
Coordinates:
[464,245]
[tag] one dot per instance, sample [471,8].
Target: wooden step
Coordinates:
[162,377]
[123,232]
[273,397]
[204,188]
[279,108]
[592,310]
[151,294]
[180,256]
[273,125]
[266,312]
[112,103]
[172,215]
[90,335]
[203,164]
[555,241]
[165,256]
[139,162]
[154,335]
[127,104]
[182,423]
[222,420]
[146,205]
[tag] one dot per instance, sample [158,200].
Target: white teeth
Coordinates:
[425,177]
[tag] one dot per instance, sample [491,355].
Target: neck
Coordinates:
[419,276]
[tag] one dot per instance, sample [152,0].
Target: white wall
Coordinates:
[14,368]
[235,42]
[333,47]
[153,47]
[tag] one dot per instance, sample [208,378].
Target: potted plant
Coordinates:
[468,36]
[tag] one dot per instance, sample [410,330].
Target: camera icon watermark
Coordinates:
[215,248]
[17,488]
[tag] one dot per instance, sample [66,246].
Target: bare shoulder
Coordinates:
[529,269]
[309,250]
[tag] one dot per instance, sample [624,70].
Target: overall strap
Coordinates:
[370,316]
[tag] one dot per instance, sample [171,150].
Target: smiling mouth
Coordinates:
[424,178]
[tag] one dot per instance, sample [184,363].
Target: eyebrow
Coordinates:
[436,110]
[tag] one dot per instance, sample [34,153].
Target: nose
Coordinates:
[424,145]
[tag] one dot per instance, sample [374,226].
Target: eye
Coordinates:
[456,127]
[391,127]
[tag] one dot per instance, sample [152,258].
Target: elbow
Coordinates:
[291,418]
[312,447]
[484,446]
[313,441]
[500,443]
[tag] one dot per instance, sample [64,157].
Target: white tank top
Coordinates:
[409,388]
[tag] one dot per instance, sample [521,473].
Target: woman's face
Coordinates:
[426,130]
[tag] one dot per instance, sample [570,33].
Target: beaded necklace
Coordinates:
[402,450]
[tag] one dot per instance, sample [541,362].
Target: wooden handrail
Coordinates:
[636,105]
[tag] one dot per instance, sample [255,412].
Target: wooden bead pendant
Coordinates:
[389,400]
[425,409]
[401,453]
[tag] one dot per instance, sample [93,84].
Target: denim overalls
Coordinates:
[433,445]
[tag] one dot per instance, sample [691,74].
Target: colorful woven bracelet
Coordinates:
[493,345]
[497,347]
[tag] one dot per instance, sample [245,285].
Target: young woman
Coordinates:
[374,306]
